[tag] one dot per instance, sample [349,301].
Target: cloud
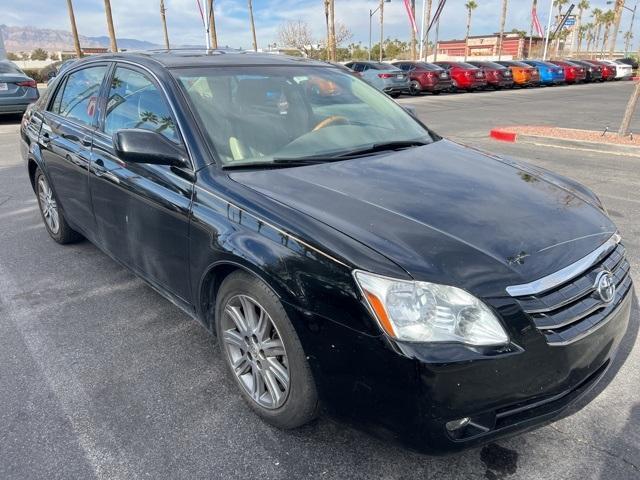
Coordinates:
[141,19]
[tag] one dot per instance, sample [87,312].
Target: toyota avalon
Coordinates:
[348,259]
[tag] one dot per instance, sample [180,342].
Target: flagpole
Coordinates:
[424,12]
[546,41]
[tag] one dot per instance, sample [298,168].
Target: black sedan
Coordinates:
[348,259]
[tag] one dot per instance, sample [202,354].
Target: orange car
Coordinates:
[523,75]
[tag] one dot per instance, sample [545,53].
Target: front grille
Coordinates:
[572,310]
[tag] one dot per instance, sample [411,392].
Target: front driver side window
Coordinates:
[135,102]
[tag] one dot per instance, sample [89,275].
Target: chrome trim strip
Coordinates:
[562,276]
[597,326]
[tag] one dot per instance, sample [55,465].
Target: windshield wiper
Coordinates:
[355,153]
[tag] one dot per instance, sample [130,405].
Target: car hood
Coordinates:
[447,213]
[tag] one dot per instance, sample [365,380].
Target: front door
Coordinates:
[142,210]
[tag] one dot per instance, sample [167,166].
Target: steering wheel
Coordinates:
[332,120]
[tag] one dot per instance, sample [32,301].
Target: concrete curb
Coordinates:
[507,136]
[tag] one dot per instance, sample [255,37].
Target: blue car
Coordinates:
[550,74]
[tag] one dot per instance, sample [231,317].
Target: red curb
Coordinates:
[503,135]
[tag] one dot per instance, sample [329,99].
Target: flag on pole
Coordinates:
[436,16]
[536,22]
[412,18]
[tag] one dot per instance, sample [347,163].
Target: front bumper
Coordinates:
[408,392]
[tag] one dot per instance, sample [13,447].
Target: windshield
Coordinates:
[261,114]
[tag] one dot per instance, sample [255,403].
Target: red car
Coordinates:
[573,73]
[425,77]
[464,76]
[498,76]
[608,72]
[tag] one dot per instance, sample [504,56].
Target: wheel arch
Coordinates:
[212,279]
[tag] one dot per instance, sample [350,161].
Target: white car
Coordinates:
[624,71]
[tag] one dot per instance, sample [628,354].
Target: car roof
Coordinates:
[178,58]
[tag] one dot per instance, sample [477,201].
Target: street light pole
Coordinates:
[546,41]
[627,43]
[371,14]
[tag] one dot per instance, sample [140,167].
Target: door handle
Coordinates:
[86,141]
[99,169]
[46,139]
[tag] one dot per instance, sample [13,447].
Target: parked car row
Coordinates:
[418,77]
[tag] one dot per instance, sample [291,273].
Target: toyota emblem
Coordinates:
[605,286]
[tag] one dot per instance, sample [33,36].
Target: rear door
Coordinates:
[66,136]
[142,210]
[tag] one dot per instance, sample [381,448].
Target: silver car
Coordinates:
[388,78]
[17,90]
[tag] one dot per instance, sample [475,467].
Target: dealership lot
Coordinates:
[103,378]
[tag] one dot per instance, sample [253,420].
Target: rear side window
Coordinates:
[135,102]
[8,67]
[78,97]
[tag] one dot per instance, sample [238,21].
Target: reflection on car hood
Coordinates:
[447,213]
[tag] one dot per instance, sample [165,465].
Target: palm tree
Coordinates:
[590,27]
[213,36]
[596,14]
[503,19]
[582,6]
[413,32]
[608,18]
[470,6]
[617,16]
[74,29]
[253,27]
[332,30]
[112,32]
[163,16]
[427,21]
[559,4]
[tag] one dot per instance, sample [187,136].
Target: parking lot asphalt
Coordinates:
[100,377]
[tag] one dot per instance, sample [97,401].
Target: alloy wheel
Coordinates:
[48,205]
[415,88]
[255,351]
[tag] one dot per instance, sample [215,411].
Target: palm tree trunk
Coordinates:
[616,26]
[164,24]
[253,27]
[112,32]
[213,36]
[503,19]
[332,28]
[381,28]
[575,48]
[413,33]
[466,41]
[597,39]
[427,21]
[327,4]
[630,110]
[74,29]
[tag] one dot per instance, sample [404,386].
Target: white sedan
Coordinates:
[624,71]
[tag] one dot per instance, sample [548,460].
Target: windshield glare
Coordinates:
[258,114]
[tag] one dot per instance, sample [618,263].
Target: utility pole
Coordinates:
[253,27]
[112,32]
[413,32]
[163,12]
[74,29]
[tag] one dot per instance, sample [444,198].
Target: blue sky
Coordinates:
[140,18]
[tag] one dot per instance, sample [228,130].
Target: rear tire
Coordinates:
[52,216]
[415,88]
[263,353]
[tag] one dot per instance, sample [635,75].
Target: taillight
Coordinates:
[28,83]
[386,75]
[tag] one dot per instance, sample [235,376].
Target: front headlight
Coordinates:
[429,312]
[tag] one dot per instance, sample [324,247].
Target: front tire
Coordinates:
[52,216]
[263,353]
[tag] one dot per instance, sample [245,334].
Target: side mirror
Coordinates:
[411,109]
[136,145]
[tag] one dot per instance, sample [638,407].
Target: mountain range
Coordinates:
[25,39]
